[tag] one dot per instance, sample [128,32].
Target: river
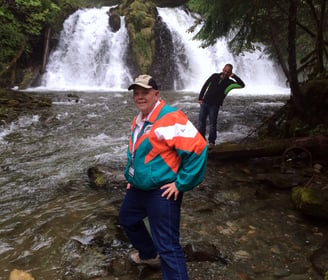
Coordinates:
[45,197]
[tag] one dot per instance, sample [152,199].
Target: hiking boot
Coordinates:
[134,259]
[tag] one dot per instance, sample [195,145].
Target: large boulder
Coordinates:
[312,201]
[105,177]
[150,42]
[140,17]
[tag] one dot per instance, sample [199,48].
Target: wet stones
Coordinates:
[319,259]
[311,201]
[104,177]
[203,251]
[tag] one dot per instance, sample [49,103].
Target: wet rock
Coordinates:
[83,262]
[319,259]
[203,251]
[241,255]
[317,168]
[114,20]
[20,275]
[150,41]
[104,177]
[311,201]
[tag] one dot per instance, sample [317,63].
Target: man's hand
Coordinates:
[170,189]
[128,186]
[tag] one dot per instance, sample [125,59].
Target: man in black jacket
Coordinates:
[211,97]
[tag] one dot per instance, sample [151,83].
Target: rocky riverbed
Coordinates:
[241,223]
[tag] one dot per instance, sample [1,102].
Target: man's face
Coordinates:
[145,99]
[226,72]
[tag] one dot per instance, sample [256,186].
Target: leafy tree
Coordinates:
[294,32]
[22,28]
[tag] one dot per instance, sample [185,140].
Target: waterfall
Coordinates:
[90,56]
[258,72]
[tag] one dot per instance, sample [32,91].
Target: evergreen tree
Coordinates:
[294,33]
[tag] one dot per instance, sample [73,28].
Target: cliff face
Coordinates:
[150,42]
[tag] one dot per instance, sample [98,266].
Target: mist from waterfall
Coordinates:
[90,56]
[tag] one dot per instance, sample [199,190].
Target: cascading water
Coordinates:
[89,54]
[92,57]
[256,69]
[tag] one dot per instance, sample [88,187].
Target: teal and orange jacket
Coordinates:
[169,149]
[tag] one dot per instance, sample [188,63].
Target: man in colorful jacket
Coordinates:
[211,97]
[166,157]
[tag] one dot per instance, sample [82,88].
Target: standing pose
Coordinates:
[166,157]
[211,97]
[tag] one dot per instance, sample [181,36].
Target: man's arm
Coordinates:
[238,80]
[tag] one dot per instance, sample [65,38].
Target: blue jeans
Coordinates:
[212,112]
[164,220]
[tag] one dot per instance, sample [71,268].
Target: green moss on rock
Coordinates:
[311,201]
[140,19]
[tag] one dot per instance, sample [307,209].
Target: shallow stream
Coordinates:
[46,200]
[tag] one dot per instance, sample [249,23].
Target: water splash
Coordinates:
[89,54]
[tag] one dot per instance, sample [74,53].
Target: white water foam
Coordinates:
[258,72]
[22,122]
[90,57]
[89,54]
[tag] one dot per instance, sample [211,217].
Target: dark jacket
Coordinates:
[216,89]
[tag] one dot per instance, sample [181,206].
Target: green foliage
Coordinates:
[23,23]
[246,23]
[142,49]
[241,22]
[140,23]
[11,36]
[34,15]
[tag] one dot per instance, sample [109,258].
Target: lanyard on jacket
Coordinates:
[138,131]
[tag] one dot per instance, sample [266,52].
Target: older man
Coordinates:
[166,157]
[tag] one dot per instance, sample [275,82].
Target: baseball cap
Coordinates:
[144,81]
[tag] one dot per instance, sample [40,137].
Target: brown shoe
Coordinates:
[211,146]
[134,259]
